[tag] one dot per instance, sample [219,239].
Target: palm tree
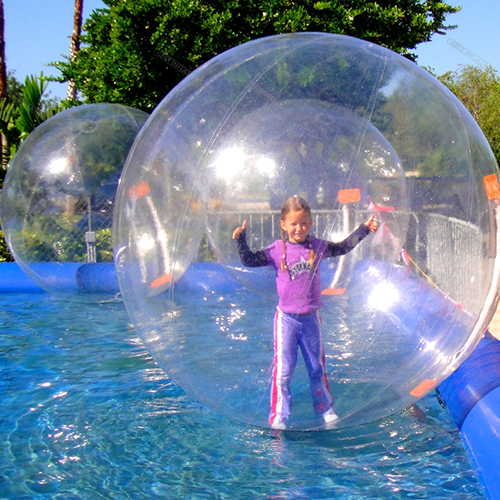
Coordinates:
[18,118]
[74,44]
[3,76]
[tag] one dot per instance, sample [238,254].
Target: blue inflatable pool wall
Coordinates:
[472,395]
[73,276]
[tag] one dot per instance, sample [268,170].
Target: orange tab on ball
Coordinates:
[162,280]
[492,186]
[139,190]
[349,195]
[333,291]
[423,388]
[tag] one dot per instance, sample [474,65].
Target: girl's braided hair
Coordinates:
[294,204]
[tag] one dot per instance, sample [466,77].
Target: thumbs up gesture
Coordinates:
[239,230]
[370,223]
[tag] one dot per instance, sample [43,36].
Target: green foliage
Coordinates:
[30,110]
[425,134]
[134,52]
[104,243]
[5,255]
[62,241]
[205,251]
[479,91]
[21,112]
[14,89]
[8,112]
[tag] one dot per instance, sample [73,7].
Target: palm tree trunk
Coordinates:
[3,79]
[74,43]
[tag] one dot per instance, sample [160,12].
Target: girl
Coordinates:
[297,321]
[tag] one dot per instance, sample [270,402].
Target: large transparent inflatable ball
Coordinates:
[58,199]
[354,129]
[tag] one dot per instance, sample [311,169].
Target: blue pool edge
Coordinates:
[472,395]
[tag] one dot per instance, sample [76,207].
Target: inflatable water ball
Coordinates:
[355,129]
[58,199]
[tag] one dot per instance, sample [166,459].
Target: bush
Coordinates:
[5,255]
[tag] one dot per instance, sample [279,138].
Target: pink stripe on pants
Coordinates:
[290,332]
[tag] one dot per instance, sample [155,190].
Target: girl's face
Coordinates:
[297,226]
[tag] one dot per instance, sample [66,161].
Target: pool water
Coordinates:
[86,414]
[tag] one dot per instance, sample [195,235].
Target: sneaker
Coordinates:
[280,426]
[330,416]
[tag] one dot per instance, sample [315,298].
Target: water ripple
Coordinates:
[87,414]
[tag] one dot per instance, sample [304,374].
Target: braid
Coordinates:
[283,260]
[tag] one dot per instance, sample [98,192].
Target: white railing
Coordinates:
[455,258]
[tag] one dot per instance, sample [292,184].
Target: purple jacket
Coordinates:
[299,286]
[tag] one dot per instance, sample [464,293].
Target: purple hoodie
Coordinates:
[299,286]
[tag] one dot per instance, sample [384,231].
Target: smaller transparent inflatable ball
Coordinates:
[58,199]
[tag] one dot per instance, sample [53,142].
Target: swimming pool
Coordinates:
[87,414]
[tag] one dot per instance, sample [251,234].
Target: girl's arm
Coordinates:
[345,246]
[247,257]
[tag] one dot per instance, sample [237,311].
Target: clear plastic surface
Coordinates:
[58,198]
[355,129]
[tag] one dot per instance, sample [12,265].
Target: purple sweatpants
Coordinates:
[290,332]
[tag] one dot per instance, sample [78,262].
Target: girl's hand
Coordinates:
[239,230]
[371,224]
